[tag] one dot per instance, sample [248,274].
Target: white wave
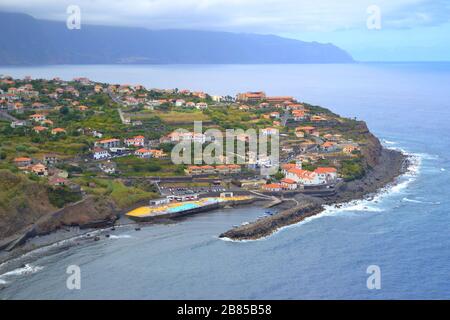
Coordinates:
[428,156]
[123,236]
[412,200]
[389,142]
[443,169]
[420,201]
[27,269]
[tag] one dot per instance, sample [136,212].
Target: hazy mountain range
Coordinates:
[25,40]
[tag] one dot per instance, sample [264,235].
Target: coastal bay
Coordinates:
[302,261]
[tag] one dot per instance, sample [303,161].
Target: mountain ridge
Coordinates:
[30,41]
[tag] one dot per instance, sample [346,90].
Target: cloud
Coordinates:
[261,16]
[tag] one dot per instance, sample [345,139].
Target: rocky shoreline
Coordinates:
[382,167]
[390,164]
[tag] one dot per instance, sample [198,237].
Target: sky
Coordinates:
[370,30]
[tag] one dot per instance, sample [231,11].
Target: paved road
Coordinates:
[7,116]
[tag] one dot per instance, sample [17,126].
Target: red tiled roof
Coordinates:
[272,186]
[288,181]
[325,170]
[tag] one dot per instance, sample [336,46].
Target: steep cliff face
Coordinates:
[25,205]
[90,212]
[372,147]
[22,202]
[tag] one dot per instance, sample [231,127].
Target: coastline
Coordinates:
[64,238]
[391,164]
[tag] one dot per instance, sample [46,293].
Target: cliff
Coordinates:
[371,148]
[25,209]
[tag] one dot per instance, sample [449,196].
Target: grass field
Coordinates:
[187,117]
[122,195]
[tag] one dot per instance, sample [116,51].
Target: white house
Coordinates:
[97,134]
[108,143]
[137,141]
[143,153]
[179,103]
[304,177]
[327,174]
[108,168]
[201,105]
[288,184]
[269,131]
[18,123]
[37,117]
[99,153]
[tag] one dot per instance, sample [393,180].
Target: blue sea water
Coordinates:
[404,229]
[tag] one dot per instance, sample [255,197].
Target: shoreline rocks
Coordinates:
[389,165]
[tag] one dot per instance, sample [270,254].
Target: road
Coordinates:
[7,116]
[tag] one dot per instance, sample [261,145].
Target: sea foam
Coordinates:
[25,270]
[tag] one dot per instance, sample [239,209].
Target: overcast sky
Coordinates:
[410,29]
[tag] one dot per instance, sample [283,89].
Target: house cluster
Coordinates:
[44,124]
[45,168]
[10,98]
[260,100]
[130,95]
[190,104]
[149,153]
[297,178]
[103,149]
[320,176]
[184,136]
[219,169]
[21,96]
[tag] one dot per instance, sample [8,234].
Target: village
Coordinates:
[87,137]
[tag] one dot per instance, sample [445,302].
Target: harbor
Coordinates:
[173,209]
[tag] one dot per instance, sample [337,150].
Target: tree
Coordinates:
[64,110]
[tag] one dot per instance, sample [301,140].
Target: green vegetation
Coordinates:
[123,196]
[352,169]
[132,166]
[187,117]
[61,196]
[230,118]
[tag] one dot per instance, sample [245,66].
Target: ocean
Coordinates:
[404,229]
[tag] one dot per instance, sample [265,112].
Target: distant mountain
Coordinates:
[25,40]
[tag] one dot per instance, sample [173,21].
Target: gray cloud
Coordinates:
[263,16]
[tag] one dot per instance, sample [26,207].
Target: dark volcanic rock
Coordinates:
[267,226]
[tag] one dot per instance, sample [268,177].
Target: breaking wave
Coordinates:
[25,270]
[420,201]
[389,142]
[123,236]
